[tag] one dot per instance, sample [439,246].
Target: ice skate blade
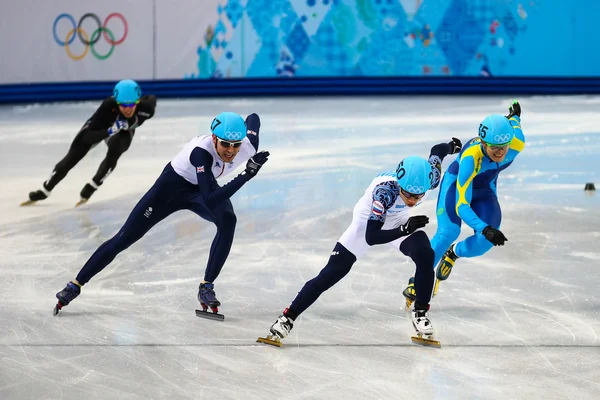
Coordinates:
[409,304]
[272,340]
[57,308]
[436,287]
[210,315]
[419,339]
[81,202]
[28,203]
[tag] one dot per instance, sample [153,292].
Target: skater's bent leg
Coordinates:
[117,145]
[443,238]
[488,209]
[157,204]
[339,265]
[225,220]
[77,151]
[418,248]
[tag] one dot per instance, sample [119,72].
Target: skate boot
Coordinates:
[410,293]
[208,298]
[67,295]
[444,268]
[423,327]
[38,195]
[279,330]
[87,192]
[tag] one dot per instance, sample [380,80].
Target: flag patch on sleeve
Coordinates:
[377,208]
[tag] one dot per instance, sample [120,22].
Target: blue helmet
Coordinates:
[496,130]
[229,126]
[127,92]
[414,175]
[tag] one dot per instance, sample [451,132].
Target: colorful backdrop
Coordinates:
[156,40]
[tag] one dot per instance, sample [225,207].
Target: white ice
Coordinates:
[521,322]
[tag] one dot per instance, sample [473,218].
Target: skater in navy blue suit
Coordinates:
[188,182]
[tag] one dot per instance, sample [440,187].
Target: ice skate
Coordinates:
[409,293]
[444,268]
[87,192]
[67,295]
[207,298]
[36,196]
[424,329]
[279,330]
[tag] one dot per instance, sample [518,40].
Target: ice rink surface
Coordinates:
[521,322]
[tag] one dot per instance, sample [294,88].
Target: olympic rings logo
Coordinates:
[233,135]
[414,189]
[502,138]
[88,41]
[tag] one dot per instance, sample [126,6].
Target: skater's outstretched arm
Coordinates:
[210,190]
[252,129]
[436,156]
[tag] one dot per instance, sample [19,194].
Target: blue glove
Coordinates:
[119,125]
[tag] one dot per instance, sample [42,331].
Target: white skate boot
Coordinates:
[424,329]
[279,330]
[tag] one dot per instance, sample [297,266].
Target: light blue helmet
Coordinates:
[127,92]
[414,175]
[229,126]
[496,130]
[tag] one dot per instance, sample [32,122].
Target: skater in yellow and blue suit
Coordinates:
[468,191]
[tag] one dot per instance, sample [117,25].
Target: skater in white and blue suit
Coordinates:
[382,216]
[189,182]
[468,191]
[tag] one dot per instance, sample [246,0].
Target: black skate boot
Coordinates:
[207,298]
[444,268]
[410,293]
[67,295]
[38,195]
[87,192]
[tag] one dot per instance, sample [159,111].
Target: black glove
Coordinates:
[494,236]
[514,109]
[253,165]
[455,145]
[414,223]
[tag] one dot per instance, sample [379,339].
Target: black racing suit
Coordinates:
[93,132]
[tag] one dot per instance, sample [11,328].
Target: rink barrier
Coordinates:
[77,91]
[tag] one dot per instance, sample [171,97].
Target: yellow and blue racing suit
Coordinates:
[468,193]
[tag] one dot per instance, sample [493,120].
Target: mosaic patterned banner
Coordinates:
[269,38]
